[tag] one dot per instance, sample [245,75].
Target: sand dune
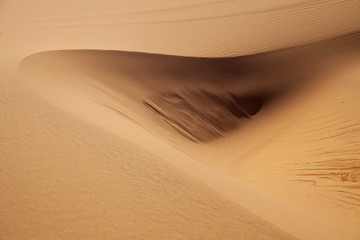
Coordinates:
[234,105]
[179,120]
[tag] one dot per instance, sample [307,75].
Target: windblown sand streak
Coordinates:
[338,170]
[202,116]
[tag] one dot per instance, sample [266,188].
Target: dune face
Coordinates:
[202,116]
[180,119]
[202,99]
[69,179]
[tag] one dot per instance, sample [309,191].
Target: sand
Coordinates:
[201,120]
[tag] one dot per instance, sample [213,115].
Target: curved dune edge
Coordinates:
[319,177]
[220,29]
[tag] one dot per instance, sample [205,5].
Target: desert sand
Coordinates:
[180,120]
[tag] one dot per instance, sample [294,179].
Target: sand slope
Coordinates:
[64,178]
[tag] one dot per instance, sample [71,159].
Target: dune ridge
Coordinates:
[274,28]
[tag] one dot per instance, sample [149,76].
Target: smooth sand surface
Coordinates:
[64,178]
[101,142]
[186,28]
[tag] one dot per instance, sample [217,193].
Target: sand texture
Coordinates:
[180,119]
